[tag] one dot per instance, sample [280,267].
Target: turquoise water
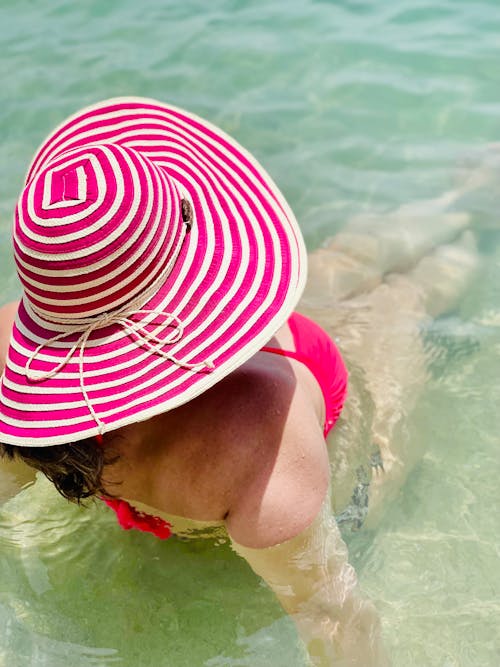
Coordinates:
[356,108]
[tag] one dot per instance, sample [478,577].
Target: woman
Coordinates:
[156,360]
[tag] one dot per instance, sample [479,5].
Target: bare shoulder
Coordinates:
[7,316]
[249,451]
[285,485]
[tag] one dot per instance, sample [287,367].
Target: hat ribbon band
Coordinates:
[140,336]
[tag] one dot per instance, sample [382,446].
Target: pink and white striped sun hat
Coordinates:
[156,256]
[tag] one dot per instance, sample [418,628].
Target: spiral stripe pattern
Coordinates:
[99,225]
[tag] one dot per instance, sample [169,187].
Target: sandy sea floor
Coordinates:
[357,109]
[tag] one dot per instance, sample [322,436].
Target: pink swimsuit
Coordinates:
[316,350]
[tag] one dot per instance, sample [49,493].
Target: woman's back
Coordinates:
[231,452]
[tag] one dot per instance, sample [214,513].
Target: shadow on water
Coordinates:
[72,580]
[353,106]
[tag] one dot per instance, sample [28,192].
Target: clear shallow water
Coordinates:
[354,107]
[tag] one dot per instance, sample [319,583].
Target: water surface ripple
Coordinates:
[357,108]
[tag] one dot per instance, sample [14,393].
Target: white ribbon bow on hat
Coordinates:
[138,334]
[121,316]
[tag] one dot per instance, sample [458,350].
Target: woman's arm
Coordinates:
[282,524]
[7,316]
[13,474]
[311,576]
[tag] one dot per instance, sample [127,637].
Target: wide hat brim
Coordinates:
[239,274]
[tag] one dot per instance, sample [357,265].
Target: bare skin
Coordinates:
[278,459]
[7,317]
[267,478]
[13,474]
[268,488]
[179,462]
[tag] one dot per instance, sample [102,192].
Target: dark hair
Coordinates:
[75,469]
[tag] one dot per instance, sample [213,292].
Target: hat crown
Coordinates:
[67,186]
[95,227]
[140,337]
